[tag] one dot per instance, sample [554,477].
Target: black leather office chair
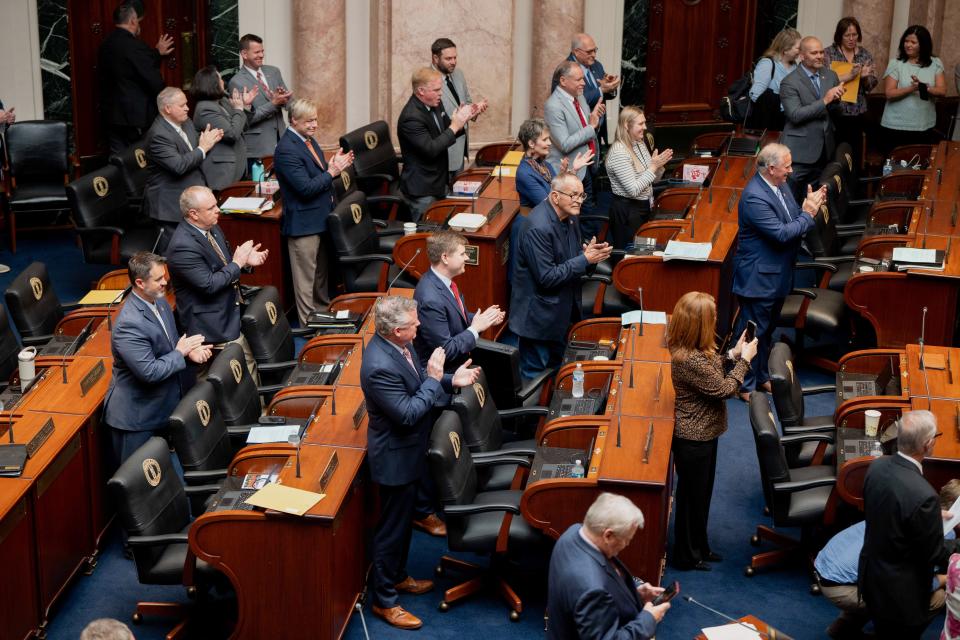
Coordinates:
[817,311]
[9,348]
[237,393]
[361,252]
[505,383]
[270,336]
[474,518]
[98,202]
[377,169]
[132,163]
[795,497]
[33,304]
[601,299]
[38,156]
[788,395]
[153,509]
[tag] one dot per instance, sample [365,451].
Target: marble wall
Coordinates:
[223,34]
[772,17]
[319,45]
[54,59]
[554,24]
[634,56]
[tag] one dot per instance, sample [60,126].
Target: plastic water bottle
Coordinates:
[578,471]
[256,171]
[888,167]
[577,390]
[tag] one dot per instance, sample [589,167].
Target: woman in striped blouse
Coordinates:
[632,172]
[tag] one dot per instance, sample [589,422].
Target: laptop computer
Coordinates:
[315,373]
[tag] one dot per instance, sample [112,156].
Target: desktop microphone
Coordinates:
[640,292]
[333,394]
[10,425]
[693,222]
[404,268]
[633,350]
[923,333]
[113,302]
[157,242]
[303,429]
[72,346]
[770,633]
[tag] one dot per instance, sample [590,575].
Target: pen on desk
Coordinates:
[646,448]
[656,395]
[949,370]
[716,234]
[953,216]
[730,200]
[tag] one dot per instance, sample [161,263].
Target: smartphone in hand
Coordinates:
[667,594]
[751,331]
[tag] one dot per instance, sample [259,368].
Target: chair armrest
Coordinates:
[267,389]
[509,414]
[162,539]
[383,233]
[819,388]
[382,224]
[535,384]
[201,489]
[836,259]
[828,428]
[238,430]
[500,453]
[856,226]
[824,266]
[849,233]
[801,485]
[373,181]
[198,477]
[805,293]
[87,231]
[369,257]
[36,341]
[302,332]
[594,216]
[799,438]
[277,366]
[596,277]
[471,509]
[502,459]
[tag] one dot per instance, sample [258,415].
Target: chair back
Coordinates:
[266,328]
[197,430]
[345,184]
[32,302]
[97,198]
[9,346]
[479,420]
[372,150]
[503,363]
[132,163]
[38,151]
[770,454]
[149,498]
[235,389]
[785,386]
[352,233]
[490,155]
[450,462]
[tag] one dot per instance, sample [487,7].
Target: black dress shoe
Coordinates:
[713,557]
[699,566]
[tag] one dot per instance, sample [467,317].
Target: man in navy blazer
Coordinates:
[306,184]
[590,593]
[206,278]
[399,395]
[771,229]
[546,296]
[149,361]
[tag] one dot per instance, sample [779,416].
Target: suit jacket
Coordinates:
[809,126]
[206,288]
[171,167]
[130,80]
[546,279]
[461,145]
[570,137]
[227,161]
[588,600]
[306,187]
[147,378]
[532,187]
[903,543]
[424,149]
[266,123]
[591,92]
[399,406]
[441,323]
[767,241]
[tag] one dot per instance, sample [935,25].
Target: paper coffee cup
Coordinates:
[871,422]
[409,228]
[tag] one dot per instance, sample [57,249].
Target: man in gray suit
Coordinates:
[810,93]
[266,123]
[175,154]
[455,93]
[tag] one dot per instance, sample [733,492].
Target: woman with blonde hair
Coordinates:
[702,380]
[777,62]
[632,171]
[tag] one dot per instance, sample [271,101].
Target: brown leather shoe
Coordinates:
[398,617]
[432,525]
[416,587]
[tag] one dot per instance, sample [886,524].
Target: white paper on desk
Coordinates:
[643,317]
[678,250]
[243,204]
[948,525]
[915,256]
[731,632]
[695,173]
[273,433]
[344,313]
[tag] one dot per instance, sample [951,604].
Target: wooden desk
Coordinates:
[19,602]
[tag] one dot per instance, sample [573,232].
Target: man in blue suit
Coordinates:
[306,184]
[149,361]
[399,395]
[590,593]
[546,296]
[772,227]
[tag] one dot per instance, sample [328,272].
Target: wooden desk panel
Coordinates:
[19,605]
[652,392]
[649,347]
[734,171]
[54,396]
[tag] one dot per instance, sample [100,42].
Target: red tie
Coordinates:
[583,121]
[313,152]
[263,84]
[406,354]
[456,296]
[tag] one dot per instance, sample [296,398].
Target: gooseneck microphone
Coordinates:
[404,268]
[770,633]
[120,297]
[303,429]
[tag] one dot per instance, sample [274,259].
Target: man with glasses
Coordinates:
[546,280]
[583,50]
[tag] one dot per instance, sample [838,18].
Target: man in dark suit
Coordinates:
[443,56]
[598,83]
[306,184]
[546,296]
[903,545]
[590,593]
[771,229]
[206,280]
[175,155]
[129,79]
[809,94]
[400,396]
[426,132]
[149,362]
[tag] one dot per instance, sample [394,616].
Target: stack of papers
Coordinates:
[243,205]
[731,632]
[273,433]
[286,499]
[466,187]
[907,258]
[696,251]
[643,317]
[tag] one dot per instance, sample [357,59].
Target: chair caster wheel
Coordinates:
[766,511]
[749,572]
[438,570]
[755,540]
[444,606]
[191,592]
[814,589]
[514,616]
[136,618]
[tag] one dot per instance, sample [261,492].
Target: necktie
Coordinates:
[219,252]
[183,134]
[583,121]
[262,82]
[313,152]
[406,354]
[589,76]
[456,96]
[436,120]
[456,296]
[156,312]
[782,201]
[816,83]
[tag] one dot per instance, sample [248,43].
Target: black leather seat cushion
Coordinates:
[839,279]
[826,313]
[806,507]
[44,195]
[168,568]
[368,278]
[132,241]
[480,530]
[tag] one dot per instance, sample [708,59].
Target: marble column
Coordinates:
[224,32]
[555,22]
[876,20]
[55,59]
[319,45]
[634,54]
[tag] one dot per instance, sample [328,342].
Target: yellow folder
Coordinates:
[286,499]
[851,88]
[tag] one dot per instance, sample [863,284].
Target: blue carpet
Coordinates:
[779,596]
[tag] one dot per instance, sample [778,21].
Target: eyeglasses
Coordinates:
[576,197]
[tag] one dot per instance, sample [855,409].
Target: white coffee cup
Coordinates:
[409,228]
[27,365]
[871,422]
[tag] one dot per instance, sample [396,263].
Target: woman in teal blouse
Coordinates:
[911,82]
